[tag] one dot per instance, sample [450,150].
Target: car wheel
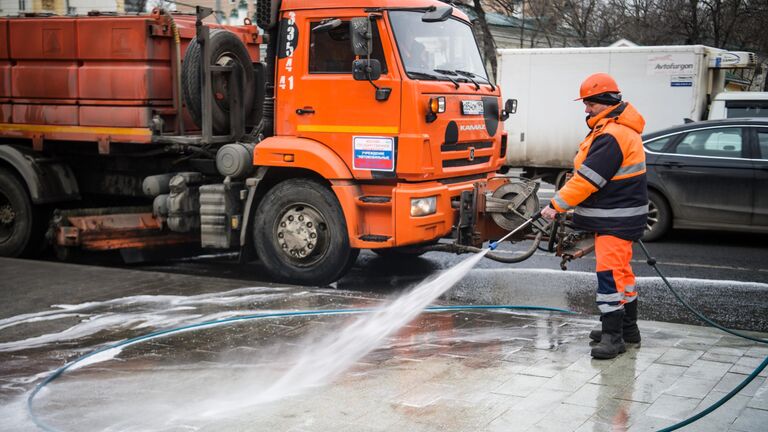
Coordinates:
[300,234]
[659,217]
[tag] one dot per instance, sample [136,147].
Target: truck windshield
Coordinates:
[435,50]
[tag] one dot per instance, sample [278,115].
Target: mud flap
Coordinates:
[251,184]
[465,228]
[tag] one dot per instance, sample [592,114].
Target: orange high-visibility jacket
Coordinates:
[608,190]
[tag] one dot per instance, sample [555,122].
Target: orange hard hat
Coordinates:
[596,84]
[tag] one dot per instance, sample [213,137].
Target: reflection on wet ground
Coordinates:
[192,380]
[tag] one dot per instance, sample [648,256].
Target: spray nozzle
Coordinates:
[493,245]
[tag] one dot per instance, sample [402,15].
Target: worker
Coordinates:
[609,197]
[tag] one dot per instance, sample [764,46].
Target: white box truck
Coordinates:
[667,84]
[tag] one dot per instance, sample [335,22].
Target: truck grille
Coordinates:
[465,146]
[459,154]
[452,163]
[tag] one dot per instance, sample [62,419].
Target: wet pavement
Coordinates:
[458,370]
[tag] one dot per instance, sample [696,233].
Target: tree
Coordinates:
[488,45]
[592,21]
[544,14]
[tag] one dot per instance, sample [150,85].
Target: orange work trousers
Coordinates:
[615,279]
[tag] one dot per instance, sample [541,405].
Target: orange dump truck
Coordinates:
[366,125]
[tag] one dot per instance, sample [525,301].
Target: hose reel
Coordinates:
[512,204]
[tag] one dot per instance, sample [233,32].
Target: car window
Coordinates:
[658,144]
[719,142]
[762,139]
[746,109]
[331,51]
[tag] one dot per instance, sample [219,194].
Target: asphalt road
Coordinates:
[683,254]
[725,275]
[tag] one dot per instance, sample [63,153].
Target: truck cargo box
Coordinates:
[667,84]
[94,71]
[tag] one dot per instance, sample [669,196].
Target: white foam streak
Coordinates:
[107,354]
[142,312]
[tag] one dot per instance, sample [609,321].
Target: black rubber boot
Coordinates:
[630,331]
[611,343]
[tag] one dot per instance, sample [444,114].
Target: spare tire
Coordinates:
[226,49]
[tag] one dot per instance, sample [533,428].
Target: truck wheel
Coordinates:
[226,49]
[21,229]
[659,217]
[300,234]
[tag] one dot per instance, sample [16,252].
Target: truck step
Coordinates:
[374,238]
[375,199]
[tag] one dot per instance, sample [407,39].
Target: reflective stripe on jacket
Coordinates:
[608,191]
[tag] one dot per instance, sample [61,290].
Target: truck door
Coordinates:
[760,214]
[319,99]
[709,177]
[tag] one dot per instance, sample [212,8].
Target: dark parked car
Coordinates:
[708,175]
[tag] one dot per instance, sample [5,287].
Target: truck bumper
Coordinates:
[380,217]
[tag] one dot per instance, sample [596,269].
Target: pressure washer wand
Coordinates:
[495,244]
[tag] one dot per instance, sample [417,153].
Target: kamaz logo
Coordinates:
[473,127]
[471,153]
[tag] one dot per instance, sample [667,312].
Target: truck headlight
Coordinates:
[423,206]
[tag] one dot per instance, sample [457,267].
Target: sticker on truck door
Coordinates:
[373,153]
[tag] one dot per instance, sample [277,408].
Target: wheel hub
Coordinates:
[653,216]
[7,215]
[221,81]
[298,232]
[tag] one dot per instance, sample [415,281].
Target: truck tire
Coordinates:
[21,226]
[226,49]
[300,234]
[659,217]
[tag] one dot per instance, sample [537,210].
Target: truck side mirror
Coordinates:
[366,70]
[510,107]
[360,34]
[437,14]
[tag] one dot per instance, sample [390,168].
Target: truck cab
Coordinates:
[398,146]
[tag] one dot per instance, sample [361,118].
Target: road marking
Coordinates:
[674,264]
[570,274]
[718,267]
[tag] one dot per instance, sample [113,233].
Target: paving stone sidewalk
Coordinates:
[466,370]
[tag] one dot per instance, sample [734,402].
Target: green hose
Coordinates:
[652,262]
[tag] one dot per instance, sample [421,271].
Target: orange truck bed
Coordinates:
[93,78]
